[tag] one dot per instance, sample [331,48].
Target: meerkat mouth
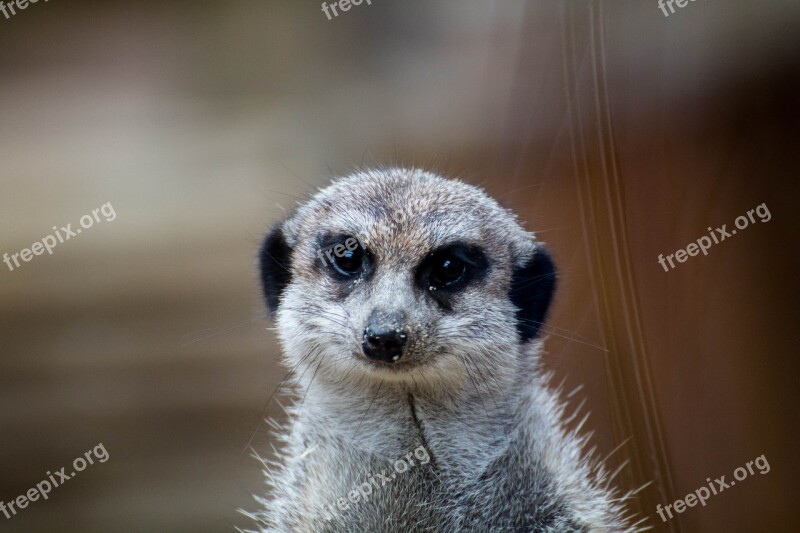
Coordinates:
[397,366]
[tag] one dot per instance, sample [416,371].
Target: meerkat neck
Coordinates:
[462,432]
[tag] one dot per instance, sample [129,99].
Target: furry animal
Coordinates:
[420,333]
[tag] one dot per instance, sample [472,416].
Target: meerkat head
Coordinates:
[405,277]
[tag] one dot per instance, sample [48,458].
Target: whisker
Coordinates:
[297,413]
[488,388]
[502,392]
[475,385]
[219,330]
[367,411]
[334,319]
[272,396]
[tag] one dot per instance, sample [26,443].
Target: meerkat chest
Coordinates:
[352,490]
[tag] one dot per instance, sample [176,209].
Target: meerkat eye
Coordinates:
[446,270]
[350,262]
[343,255]
[450,268]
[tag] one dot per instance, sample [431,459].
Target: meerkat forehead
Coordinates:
[406,212]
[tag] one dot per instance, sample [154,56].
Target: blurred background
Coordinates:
[617,133]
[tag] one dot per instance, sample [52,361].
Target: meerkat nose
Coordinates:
[384,337]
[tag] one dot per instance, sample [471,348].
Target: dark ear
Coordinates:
[274,261]
[532,287]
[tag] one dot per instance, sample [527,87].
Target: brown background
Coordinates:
[201,121]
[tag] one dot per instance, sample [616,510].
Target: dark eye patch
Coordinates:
[449,269]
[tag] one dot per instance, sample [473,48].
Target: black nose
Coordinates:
[384,338]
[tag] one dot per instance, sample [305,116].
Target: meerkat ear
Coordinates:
[532,287]
[274,260]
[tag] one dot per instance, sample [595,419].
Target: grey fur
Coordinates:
[468,391]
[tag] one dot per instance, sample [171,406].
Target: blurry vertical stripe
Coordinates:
[601,203]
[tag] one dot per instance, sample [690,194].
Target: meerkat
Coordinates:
[420,337]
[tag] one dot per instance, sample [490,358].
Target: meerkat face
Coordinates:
[405,276]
